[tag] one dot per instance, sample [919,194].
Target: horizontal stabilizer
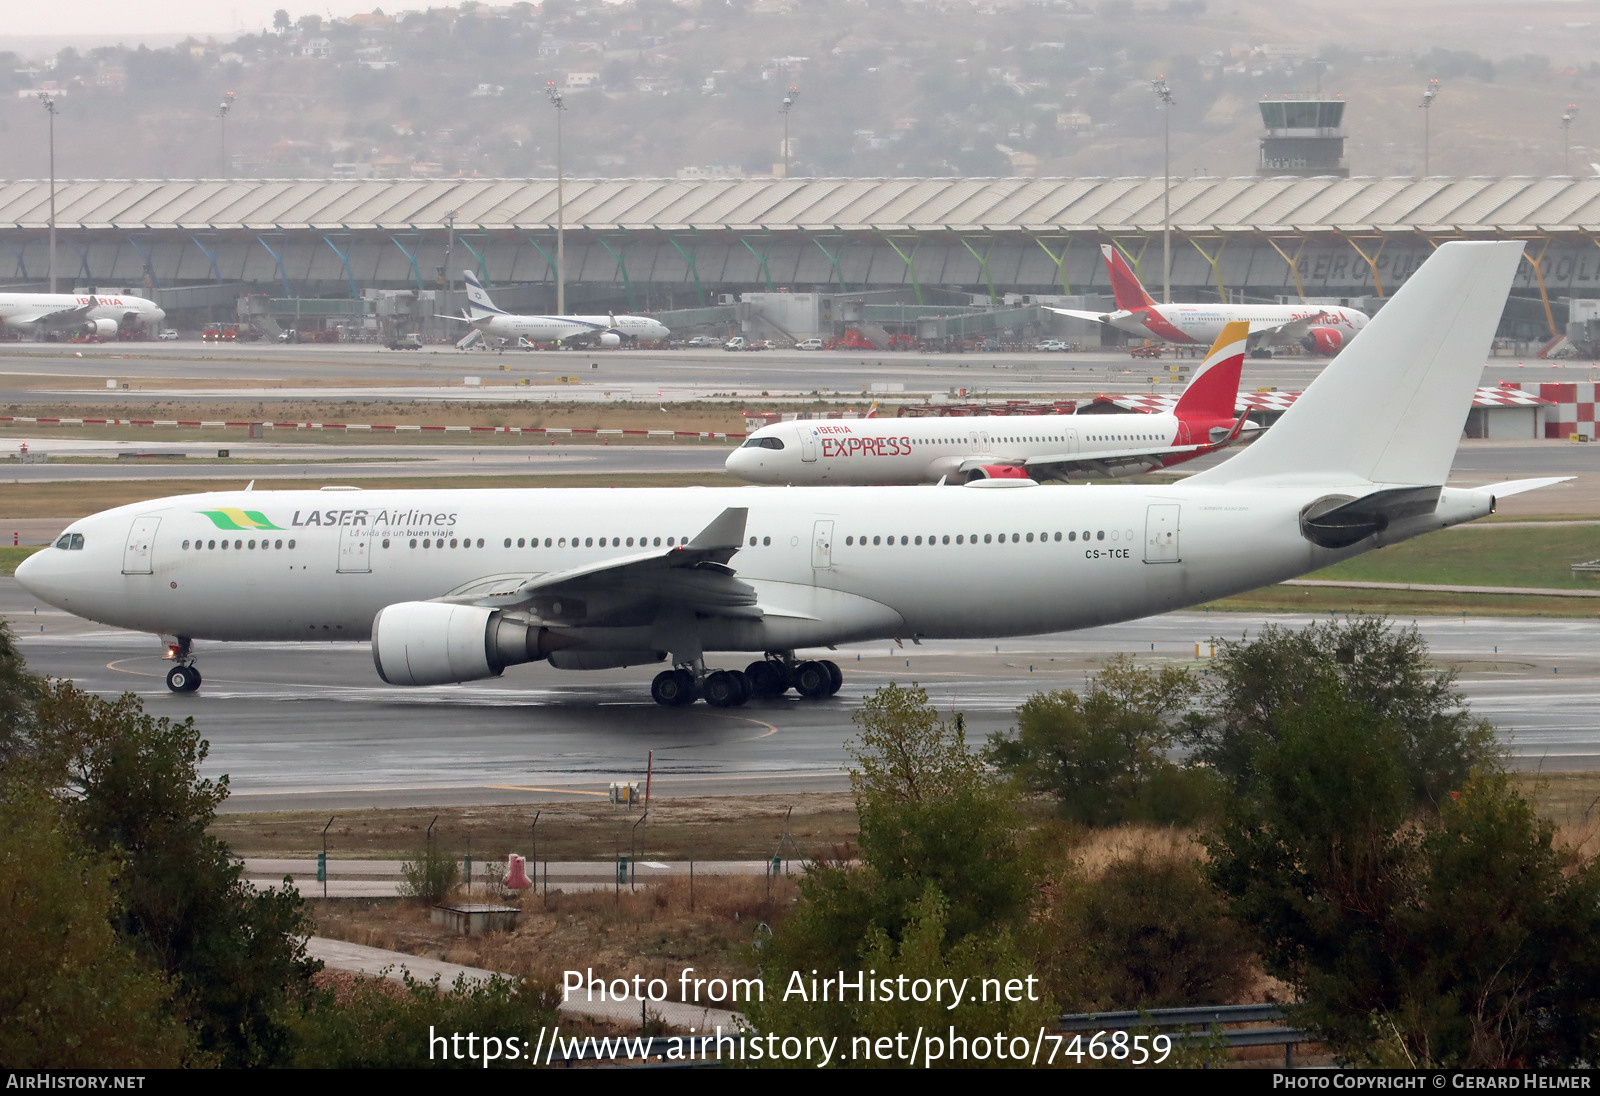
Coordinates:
[1507,488]
[1092,317]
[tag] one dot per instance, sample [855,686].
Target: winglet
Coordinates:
[726,531]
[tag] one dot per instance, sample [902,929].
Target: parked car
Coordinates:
[168,335]
[411,341]
[704,340]
[735,343]
[808,344]
[1050,344]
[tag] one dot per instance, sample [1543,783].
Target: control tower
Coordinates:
[1305,136]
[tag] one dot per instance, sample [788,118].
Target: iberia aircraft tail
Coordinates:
[1213,393]
[1125,286]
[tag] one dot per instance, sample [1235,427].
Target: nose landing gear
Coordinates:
[185,676]
[183,679]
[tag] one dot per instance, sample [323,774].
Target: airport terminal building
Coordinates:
[662,245]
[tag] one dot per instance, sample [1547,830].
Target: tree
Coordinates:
[1145,933]
[940,886]
[236,954]
[75,995]
[1103,755]
[1440,928]
[281,22]
[1381,669]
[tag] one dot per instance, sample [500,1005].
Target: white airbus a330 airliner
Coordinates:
[452,586]
[927,450]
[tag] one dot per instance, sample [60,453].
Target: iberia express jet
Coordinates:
[1321,329]
[1039,447]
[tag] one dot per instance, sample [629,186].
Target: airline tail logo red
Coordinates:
[1125,287]
[1212,395]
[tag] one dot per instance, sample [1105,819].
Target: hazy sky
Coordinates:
[166,17]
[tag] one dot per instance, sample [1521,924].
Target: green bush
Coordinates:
[429,876]
[1147,933]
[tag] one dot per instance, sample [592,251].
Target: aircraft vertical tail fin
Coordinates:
[479,304]
[1390,409]
[1213,392]
[1125,285]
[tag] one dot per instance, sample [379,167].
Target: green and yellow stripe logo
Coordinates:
[229,518]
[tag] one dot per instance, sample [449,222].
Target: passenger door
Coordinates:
[822,546]
[808,444]
[137,556]
[354,547]
[1161,533]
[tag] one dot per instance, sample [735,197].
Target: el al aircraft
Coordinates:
[930,450]
[608,330]
[457,585]
[99,314]
[1320,329]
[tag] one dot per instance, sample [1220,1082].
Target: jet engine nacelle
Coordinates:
[1324,341]
[998,472]
[432,643]
[610,338]
[101,329]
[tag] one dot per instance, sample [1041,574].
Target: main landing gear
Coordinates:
[185,676]
[764,680]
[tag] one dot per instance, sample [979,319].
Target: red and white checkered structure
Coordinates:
[1572,410]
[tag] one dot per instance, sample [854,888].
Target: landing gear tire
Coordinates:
[1261,352]
[835,674]
[725,689]
[183,679]
[768,679]
[673,688]
[813,680]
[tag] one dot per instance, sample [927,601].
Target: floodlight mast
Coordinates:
[222,132]
[789,99]
[1164,96]
[1429,94]
[48,101]
[1568,116]
[557,101]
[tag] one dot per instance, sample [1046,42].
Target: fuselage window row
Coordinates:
[988,538]
[222,545]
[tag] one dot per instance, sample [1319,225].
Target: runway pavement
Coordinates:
[302,726]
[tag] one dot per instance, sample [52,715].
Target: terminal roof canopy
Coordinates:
[1518,204]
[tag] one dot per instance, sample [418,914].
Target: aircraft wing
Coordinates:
[61,317]
[631,589]
[1094,317]
[1117,462]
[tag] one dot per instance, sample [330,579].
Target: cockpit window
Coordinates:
[762,443]
[77,542]
[65,542]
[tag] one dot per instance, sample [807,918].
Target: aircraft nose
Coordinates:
[34,575]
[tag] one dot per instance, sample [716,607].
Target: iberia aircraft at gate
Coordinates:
[928,450]
[1321,329]
[457,585]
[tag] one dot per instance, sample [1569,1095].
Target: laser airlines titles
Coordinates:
[408,518]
